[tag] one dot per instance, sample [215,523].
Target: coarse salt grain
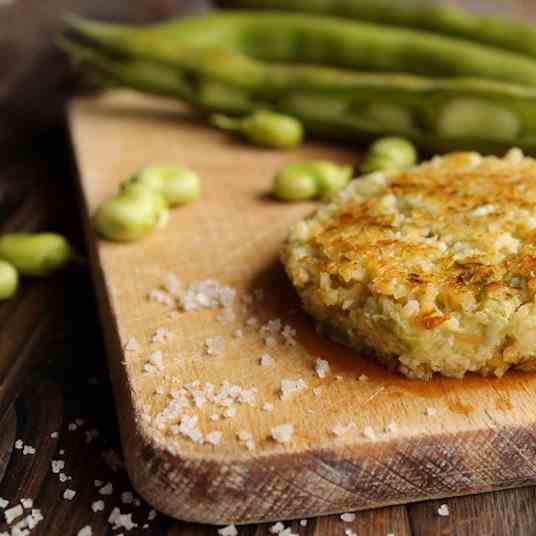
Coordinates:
[97,506]
[215,345]
[13,513]
[127,497]
[57,466]
[430,412]
[350,532]
[266,360]
[3,503]
[152,514]
[229,412]
[19,444]
[107,489]
[214,438]
[289,387]
[342,429]
[277,528]
[443,510]
[157,360]
[303,523]
[369,433]
[268,407]
[159,296]
[348,517]
[160,335]
[317,391]
[119,520]
[230,530]
[28,450]
[172,283]
[98,483]
[54,435]
[322,367]
[391,428]
[69,494]
[27,503]
[244,436]
[208,294]
[132,345]
[283,433]
[363,378]
[85,531]
[72,427]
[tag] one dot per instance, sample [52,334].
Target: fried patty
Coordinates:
[433,269]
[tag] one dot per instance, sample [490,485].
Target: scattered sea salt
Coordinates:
[107,489]
[69,494]
[283,433]
[266,360]
[322,367]
[443,510]
[132,345]
[230,530]
[214,438]
[97,506]
[215,345]
[289,387]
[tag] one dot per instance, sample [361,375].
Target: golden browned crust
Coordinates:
[443,254]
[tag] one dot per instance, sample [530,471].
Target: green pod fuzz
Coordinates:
[390,154]
[313,178]
[131,214]
[264,128]
[9,280]
[36,254]
[177,184]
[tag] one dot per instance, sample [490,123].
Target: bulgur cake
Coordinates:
[433,269]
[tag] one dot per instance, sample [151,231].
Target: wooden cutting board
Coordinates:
[450,437]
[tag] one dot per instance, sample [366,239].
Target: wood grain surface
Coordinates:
[479,438]
[36,192]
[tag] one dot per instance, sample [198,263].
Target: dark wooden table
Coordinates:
[52,365]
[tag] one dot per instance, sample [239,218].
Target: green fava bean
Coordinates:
[176,184]
[36,254]
[131,214]
[294,183]
[313,178]
[390,154]
[9,280]
[330,177]
[267,129]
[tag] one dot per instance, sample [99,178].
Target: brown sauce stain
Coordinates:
[282,301]
[460,408]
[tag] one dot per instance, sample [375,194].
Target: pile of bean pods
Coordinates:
[33,255]
[440,77]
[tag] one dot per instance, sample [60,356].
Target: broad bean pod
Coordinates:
[311,39]
[499,31]
[440,114]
